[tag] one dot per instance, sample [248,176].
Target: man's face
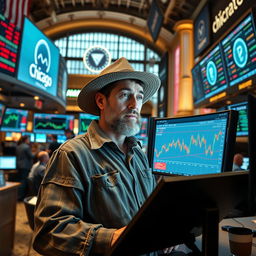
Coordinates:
[122,108]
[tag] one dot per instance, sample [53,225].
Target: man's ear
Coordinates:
[99,99]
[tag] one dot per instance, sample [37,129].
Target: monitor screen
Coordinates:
[245,165]
[14,120]
[198,88]
[193,145]
[84,121]
[242,124]
[213,73]
[7,162]
[30,135]
[61,138]
[41,137]
[39,60]
[239,51]
[2,108]
[52,123]
[9,46]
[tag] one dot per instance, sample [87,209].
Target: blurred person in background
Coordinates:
[54,144]
[24,163]
[238,162]
[36,174]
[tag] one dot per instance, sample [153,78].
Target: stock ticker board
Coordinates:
[239,49]
[9,45]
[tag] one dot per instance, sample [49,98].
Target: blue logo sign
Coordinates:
[211,72]
[96,58]
[39,60]
[240,52]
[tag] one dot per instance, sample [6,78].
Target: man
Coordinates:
[238,162]
[53,144]
[96,182]
[36,174]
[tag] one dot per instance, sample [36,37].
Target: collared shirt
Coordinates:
[90,189]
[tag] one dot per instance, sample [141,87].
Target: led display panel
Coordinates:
[9,45]
[39,60]
[52,123]
[14,120]
[239,48]
[213,73]
[242,124]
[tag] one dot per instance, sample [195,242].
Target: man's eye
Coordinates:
[140,97]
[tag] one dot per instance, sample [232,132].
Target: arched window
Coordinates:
[72,48]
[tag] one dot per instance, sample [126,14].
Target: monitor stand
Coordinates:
[210,235]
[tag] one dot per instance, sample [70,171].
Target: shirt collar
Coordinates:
[97,137]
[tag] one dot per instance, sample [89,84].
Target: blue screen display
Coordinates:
[39,60]
[213,73]
[191,145]
[239,49]
[14,120]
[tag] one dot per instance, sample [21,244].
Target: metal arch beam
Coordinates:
[60,28]
[169,9]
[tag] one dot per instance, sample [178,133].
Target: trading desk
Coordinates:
[8,199]
[223,235]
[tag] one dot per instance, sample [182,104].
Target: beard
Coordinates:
[124,126]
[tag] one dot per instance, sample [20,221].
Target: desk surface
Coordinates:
[223,235]
[9,185]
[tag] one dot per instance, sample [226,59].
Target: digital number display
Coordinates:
[9,44]
[240,51]
[213,73]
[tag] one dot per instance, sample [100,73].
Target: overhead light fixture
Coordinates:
[36,97]
[22,104]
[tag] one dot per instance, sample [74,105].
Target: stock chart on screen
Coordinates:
[14,120]
[239,48]
[52,123]
[190,146]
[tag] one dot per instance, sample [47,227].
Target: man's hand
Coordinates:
[117,233]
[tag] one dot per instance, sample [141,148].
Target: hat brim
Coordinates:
[86,97]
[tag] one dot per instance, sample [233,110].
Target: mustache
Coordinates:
[133,112]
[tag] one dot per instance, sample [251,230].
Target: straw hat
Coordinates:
[119,70]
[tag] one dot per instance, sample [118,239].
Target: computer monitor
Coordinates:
[7,162]
[242,124]
[41,137]
[61,138]
[181,208]
[31,136]
[193,145]
[245,165]
[84,121]
[14,120]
